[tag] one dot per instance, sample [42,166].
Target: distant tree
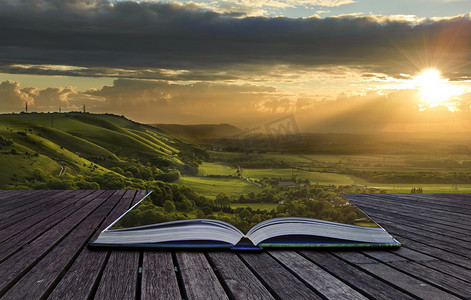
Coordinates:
[38,175]
[350,218]
[169,207]
[222,200]
[245,214]
[117,170]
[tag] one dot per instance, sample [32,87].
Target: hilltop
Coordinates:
[83,150]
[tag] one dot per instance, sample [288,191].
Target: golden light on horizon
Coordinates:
[435,90]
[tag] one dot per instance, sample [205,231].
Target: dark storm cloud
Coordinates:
[149,36]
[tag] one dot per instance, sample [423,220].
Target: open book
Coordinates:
[214,233]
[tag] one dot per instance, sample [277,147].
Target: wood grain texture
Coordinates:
[78,282]
[199,279]
[43,275]
[19,198]
[12,215]
[365,283]
[408,283]
[446,282]
[280,281]
[240,281]
[27,256]
[323,282]
[17,235]
[119,276]
[159,279]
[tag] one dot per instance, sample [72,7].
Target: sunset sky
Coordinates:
[336,65]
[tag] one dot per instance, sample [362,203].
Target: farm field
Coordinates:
[313,177]
[323,178]
[212,168]
[211,187]
[255,206]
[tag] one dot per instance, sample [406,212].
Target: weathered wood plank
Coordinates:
[445,224]
[13,239]
[421,223]
[423,271]
[12,268]
[416,287]
[198,277]
[21,224]
[429,261]
[323,282]
[413,255]
[363,282]
[384,256]
[159,280]
[436,252]
[435,216]
[40,278]
[450,284]
[437,241]
[120,276]
[79,281]
[442,202]
[240,281]
[37,214]
[433,201]
[6,195]
[139,195]
[28,207]
[18,198]
[276,278]
[395,204]
[450,269]
[129,272]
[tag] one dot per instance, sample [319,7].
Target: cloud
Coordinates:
[250,106]
[164,102]
[144,38]
[246,106]
[52,98]
[12,99]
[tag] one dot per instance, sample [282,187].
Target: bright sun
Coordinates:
[434,89]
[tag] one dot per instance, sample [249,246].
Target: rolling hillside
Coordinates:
[201,132]
[61,146]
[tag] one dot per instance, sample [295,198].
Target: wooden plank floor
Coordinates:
[44,255]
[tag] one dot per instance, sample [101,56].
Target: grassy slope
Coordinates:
[211,168]
[74,140]
[22,164]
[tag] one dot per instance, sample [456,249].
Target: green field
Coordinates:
[289,158]
[211,187]
[255,206]
[314,177]
[210,168]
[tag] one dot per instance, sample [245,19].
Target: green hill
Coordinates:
[80,148]
[201,132]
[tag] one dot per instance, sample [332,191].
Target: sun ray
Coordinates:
[435,90]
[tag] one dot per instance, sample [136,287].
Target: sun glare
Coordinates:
[434,89]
